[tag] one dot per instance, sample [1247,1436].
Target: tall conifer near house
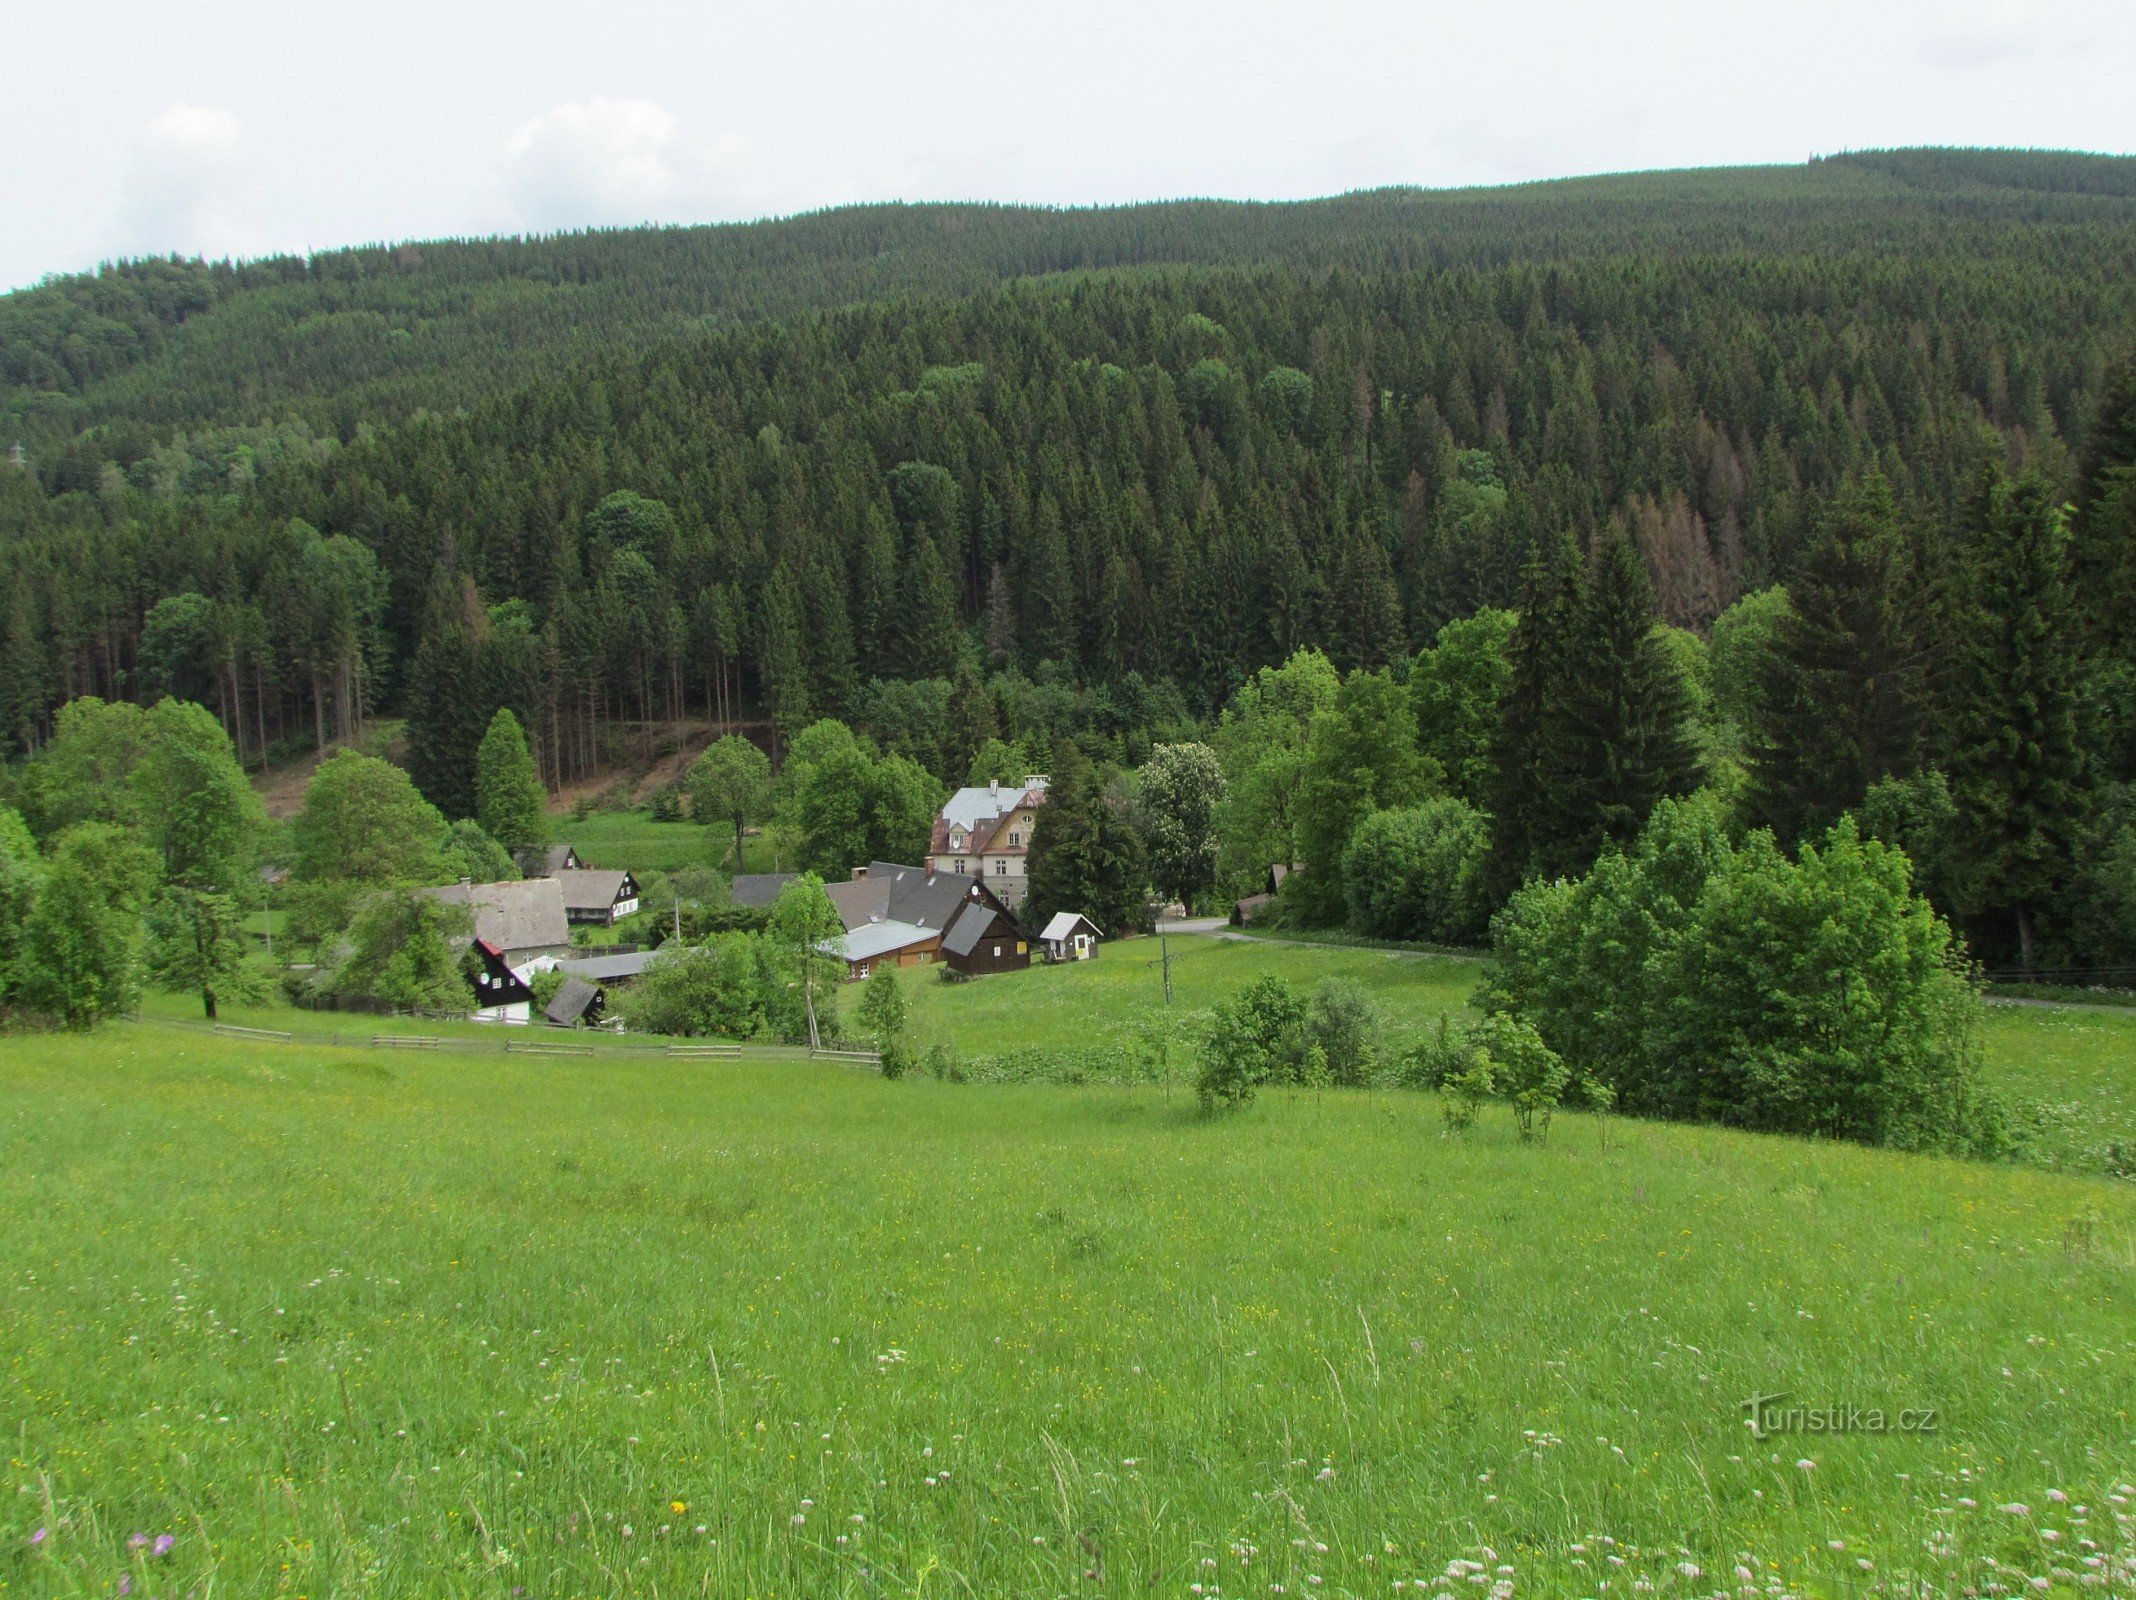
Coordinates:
[1084,855]
[508,792]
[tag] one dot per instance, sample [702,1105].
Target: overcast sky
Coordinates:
[234,128]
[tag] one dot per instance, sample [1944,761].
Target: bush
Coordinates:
[1344,1025]
[1711,983]
[1527,1072]
[1418,873]
[718,987]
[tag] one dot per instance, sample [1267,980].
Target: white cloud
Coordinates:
[600,161]
[186,187]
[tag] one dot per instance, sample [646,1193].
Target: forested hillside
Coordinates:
[364,335]
[1095,469]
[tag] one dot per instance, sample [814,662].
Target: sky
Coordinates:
[242,128]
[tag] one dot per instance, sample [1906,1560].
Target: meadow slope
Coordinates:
[335,1323]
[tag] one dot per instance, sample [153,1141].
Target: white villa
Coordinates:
[986,833]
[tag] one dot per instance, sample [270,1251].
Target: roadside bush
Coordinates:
[1712,983]
[1418,873]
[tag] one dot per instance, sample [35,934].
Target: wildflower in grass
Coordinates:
[164,1543]
[678,1506]
[138,1542]
[1806,1464]
[39,1537]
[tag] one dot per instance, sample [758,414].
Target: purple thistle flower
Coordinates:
[138,1542]
[38,1537]
[164,1541]
[126,1583]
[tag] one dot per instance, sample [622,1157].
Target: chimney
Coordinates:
[467,883]
[859,873]
[993,787]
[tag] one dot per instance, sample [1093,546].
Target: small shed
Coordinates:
[983,938]
[576,1003]
[1070,936]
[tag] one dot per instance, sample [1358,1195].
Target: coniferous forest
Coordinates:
[1812,486]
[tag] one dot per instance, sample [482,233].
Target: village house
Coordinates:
[904,916]
[524,922]
[985,832]
[597,896]
[546,860]
[501,995]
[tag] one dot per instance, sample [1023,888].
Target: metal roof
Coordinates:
[608,969]
[1063,926]
[874,939]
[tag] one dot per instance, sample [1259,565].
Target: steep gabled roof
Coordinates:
[591,889]
[1064,924]
[528,915]
[570,1001]
[970,927]
[980,810]
[544,860]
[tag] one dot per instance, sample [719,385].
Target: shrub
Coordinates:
[1711,983]
[1344,1025]
[1257,1036]
[1528,1073]
[718,987]
[1418,873]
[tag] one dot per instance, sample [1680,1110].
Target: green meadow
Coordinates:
[340,1322]
[633,840]
[1104,1002]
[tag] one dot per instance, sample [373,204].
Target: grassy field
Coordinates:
[463,1325]
[632,840]
[2075,1069]
[1102,1003]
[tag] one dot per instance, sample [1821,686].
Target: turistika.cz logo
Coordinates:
[1769,1414]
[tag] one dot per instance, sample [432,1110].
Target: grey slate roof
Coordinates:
[609,969]
[571,1000]
[513,916]
[543,860]
[591,888]
[969,928]
[758,889]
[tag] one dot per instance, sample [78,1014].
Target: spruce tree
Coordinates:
[1553,599]
[2017,765]
[1839,703]
[508,791]
[446,717]
[1085,857]
[2103,530]
[1617,733]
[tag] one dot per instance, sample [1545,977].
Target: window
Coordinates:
[860,970]
[1015,838]
[997,952]
[1001,869]
[1021,949]
[960,866]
